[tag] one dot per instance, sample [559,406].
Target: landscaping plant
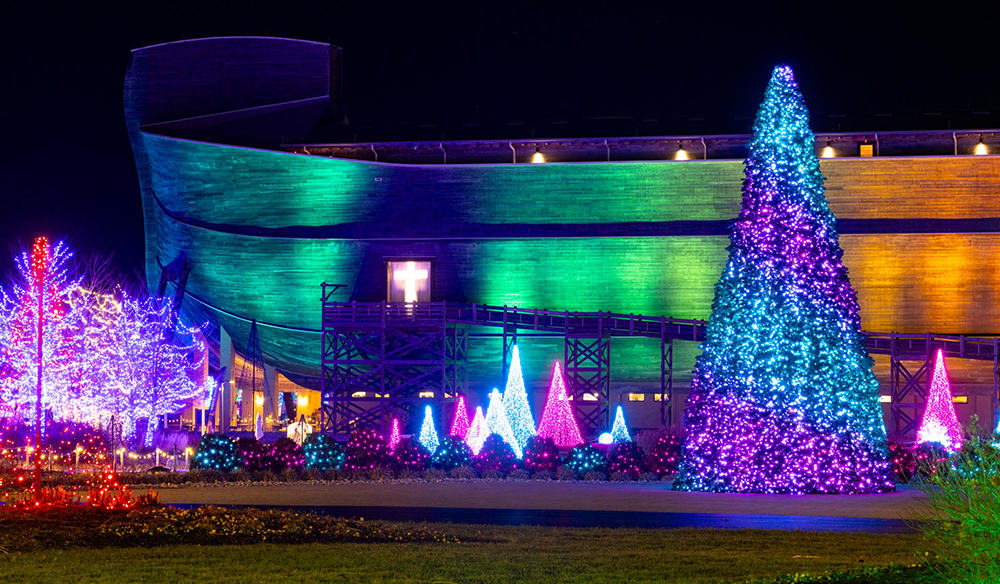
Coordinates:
[963,494]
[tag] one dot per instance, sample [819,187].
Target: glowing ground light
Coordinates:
[606,438]
[940,423]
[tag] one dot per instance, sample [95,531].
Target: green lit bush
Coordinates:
[323,453]
[216,452]
[964,498]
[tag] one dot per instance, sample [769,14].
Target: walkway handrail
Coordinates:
[919,345]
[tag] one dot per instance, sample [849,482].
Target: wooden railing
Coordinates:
[614,324]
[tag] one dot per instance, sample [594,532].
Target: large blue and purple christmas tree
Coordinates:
[783,398]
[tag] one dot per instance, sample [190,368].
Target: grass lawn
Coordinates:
[515,554]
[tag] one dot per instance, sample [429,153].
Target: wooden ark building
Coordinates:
[248,213]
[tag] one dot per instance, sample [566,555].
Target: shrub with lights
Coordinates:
[626,458]
[216,452]
[366,450]
[285,453]
[453,452]
[410,455]
[783,398]
[255,456]
[322,453]
[584,459]
[541,454]
[904,463]
[496,455]
[665,455]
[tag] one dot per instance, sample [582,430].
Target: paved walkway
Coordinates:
[570,504]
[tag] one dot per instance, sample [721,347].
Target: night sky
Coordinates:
[67,168]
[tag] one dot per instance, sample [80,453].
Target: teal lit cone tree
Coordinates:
[783,398]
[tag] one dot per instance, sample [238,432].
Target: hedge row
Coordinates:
[367,451]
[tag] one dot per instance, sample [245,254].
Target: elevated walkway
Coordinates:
[378,358]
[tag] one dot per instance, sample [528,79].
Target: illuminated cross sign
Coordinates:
[409,277]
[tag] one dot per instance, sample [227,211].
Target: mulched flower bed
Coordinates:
[79,526]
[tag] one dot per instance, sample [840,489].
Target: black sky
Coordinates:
[67,169]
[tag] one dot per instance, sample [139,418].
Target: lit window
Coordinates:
[358,394]
[426,394]
[636,397]
[866,150]
[960,399]
[660,397]
[589,397]
[409,281]
[884,399]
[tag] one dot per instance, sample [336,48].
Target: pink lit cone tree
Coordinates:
[557,420]
[460,426]
[940,423]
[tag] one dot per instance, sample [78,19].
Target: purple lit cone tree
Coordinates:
[783,398]
[460,425]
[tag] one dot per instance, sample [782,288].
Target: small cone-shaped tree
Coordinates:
[557,420]
[460,426]
[940,423]
[479,431]
[783,398]
[496,420]
[619,431]
[428,435]
[515,402]
[394,435]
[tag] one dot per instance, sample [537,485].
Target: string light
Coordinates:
[515,403]
[428,435]
[783,398]
[497,422]
[478,432]
[619,431]
[940,423]
[557,420]
[394,435]
[460,425]
[323,453]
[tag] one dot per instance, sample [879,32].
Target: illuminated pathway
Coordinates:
[571,504]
